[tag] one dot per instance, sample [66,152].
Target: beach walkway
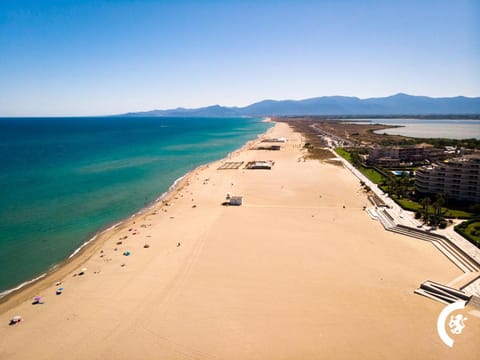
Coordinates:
[393,218]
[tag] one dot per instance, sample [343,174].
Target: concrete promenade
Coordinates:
[406,218]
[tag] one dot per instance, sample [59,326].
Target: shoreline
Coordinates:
[292,273]
[11,297]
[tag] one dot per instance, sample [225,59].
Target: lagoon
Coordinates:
[423,128]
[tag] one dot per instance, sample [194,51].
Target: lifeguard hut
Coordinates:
[234,200]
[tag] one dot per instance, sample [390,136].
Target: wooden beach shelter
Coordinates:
[235,200]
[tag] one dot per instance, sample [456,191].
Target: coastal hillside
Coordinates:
[399,104]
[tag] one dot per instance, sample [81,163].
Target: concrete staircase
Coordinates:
[416,233]
[376,200]
[441,293]
[457,256]
[463,261]
[386,219]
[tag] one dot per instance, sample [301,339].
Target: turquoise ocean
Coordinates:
[64,179]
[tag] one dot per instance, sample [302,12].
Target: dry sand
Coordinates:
[291,274]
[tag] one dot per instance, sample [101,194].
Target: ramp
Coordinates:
[441,293]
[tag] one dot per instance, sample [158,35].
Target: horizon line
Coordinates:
[268,99]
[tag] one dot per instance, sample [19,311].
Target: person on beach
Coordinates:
[15,320]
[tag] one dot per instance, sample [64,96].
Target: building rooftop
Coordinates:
[466,158]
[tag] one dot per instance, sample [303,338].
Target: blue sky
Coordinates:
[103,57]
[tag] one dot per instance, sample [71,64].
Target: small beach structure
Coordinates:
[264,164]
[235,200]
[270,148]
[277,140]
[231,165]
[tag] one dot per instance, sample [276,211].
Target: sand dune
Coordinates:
[299,271]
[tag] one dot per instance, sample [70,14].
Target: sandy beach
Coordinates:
[299,271]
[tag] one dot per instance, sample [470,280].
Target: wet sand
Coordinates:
[299,271]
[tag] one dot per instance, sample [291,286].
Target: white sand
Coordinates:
[291,274]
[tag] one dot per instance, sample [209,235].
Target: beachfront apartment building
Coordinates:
[458,177]
[395,155]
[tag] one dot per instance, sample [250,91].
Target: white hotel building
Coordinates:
[459,177]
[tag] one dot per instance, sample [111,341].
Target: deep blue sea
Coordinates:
[64,179]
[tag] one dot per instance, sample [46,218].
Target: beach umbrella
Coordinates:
[83,269]
[37,298]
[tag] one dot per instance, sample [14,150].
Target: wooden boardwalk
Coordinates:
[231,165]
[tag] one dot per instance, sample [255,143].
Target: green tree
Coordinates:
[437,208]
[403,184]
[425,203]
[447,196]
[356,161]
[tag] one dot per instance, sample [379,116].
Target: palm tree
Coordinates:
[437,208]
[447,196]
[392,183]
[425,203]
[405,181]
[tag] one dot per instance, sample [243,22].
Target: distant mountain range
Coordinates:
[399,104]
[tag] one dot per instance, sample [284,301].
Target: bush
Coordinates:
[442,224]
[475,208]
[418,215]
[467,230]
